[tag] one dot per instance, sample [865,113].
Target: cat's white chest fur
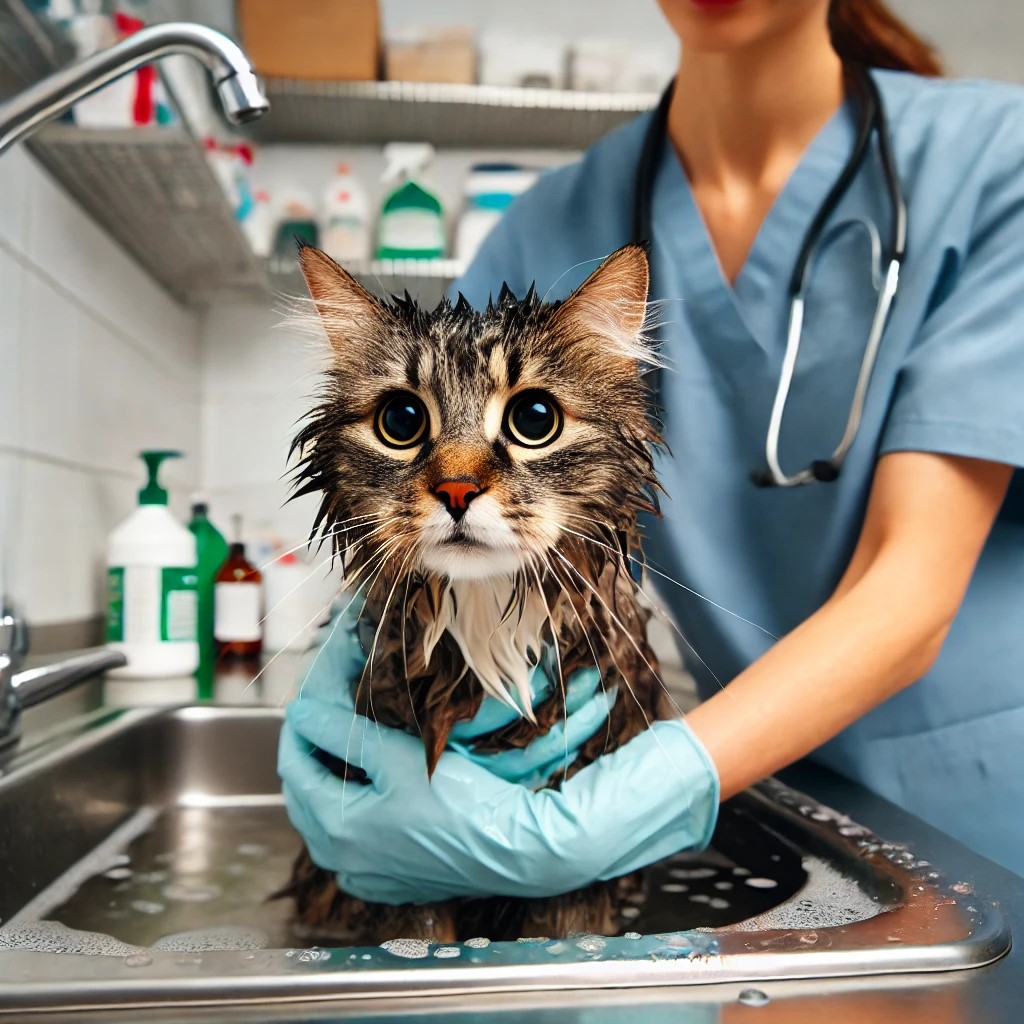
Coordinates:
[500,644]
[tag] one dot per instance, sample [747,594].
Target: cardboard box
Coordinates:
[443,55]
[334,40]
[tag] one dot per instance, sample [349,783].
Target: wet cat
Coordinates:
[481,475]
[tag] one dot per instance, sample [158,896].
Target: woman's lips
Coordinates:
[715,3]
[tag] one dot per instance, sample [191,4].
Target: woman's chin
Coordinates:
[469,561]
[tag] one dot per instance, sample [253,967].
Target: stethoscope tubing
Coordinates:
[872,121]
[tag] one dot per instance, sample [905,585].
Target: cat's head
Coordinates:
[470,444]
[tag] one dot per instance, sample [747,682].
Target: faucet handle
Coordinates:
[14,634]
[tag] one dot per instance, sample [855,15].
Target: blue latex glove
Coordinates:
[468,832]
[336,659]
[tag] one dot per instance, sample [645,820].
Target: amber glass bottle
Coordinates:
[238,594]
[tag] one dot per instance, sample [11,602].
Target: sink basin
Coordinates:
[155,837]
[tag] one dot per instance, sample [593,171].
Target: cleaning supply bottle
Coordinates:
[345,218]
[238,624]
[411,222]
[211,552]
[152,596]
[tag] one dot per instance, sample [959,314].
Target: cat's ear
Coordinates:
[612,304]
[350,315]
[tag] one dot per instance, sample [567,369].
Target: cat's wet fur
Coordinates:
[540,558]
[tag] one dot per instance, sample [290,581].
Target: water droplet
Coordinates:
[591,944]
[964,888]
[447,952]
[477,943]
[761,883]
[753,997]
[700,897]
[629,913]
[365,956]
[118,874]
[138,960]
[808,938]
[147,907]
[409,949]
[740,872]
[633,936]
[691,874]
[556,948]
[191,892]
[893,938]
[718,903]
[723,885]
[674,887]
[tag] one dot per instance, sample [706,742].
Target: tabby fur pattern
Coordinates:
[543,553]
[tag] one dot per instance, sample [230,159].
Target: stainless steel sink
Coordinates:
[144,825]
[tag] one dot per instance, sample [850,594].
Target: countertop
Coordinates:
[979,996]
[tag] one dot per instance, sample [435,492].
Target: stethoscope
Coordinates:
[872,119]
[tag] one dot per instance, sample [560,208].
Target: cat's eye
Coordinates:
[533,419]
[401,421]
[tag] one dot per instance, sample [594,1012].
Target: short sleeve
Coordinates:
[960,390]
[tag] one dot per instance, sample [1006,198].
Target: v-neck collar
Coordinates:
[748,309]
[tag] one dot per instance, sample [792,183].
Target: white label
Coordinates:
[237,612]
[142,593]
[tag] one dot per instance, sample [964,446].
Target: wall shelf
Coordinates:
[461,116]
[426,280]
[154,192]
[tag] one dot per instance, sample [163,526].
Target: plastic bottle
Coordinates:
[152,596]
[411,222]
[237,625]
[345,218]
[211,552]
[490,190]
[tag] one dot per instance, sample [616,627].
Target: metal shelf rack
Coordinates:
[30,48]
[425,280]
[454,116]
[154,192]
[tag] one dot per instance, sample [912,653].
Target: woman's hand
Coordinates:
[405,838]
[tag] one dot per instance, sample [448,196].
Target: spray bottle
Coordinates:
[152,596]
[411,222]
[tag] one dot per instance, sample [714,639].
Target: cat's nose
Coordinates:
[457,494]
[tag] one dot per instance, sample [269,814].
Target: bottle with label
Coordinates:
[411,224]
[152,597]
[238,604]
[211,551]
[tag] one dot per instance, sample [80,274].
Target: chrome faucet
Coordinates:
[242,100]
[237,87]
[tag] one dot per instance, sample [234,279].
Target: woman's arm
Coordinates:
[928,517]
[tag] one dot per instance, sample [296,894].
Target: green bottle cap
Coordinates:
[153,493]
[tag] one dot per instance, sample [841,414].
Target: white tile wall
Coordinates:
[96,362]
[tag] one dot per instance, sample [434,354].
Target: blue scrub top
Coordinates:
[949,378]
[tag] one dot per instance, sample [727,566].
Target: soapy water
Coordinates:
[827,900]
[54,937]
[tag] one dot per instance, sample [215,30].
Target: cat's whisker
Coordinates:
[305,579]
[558,655]
[645,564]
[593,652]
[625,632]
[669,621]
[368,667]
[302,544]
[405,654]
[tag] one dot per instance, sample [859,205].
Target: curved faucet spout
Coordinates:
[237,87]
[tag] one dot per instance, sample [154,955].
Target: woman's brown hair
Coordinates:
[867,32]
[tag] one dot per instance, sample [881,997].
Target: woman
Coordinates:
[896,588]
